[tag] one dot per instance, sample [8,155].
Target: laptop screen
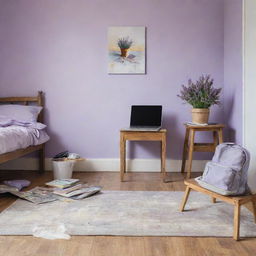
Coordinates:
[146,115]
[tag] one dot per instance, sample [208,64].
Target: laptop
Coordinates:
[145,118]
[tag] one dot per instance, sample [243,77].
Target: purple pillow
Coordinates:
[19,184]
[20,112]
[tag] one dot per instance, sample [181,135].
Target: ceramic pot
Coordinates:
[200,115]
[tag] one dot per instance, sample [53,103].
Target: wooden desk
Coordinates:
[142,136]
[237,201]
[190,146]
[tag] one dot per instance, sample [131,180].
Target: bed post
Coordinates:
[41,119]
[40,102]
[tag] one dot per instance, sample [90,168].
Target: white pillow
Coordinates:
[20,112]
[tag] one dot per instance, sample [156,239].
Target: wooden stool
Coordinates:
[190,146]
[139,136]
[237,201]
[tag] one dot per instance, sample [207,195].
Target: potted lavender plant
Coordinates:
[201,95]
[124,44]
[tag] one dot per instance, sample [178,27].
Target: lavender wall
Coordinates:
[60,47]
[233,69]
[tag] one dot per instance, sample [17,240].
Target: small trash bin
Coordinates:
[63,169]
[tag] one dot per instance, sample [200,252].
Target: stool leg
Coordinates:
[190,152]
[213,200]
[185,147]
[215,139]
[236,221]
[220,133]
[185,198]
[254,209]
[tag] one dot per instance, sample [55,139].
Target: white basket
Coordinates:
[63,169]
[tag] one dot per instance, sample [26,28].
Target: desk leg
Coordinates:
[185,147]
[122,157]
[163,156]
[190,152]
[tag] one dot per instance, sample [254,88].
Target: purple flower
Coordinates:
[200,94]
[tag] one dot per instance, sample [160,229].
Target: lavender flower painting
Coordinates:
[126,50]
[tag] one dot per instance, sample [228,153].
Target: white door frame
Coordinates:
[249,88]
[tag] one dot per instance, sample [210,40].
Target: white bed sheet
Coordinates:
[17,137]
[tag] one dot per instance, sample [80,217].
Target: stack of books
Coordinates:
[72,188]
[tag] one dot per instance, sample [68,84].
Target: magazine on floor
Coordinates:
[40,195]
[87,192]
[79,191]
[37,195]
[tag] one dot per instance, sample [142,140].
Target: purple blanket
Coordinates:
[15,134]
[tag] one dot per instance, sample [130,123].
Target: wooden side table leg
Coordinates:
[185,198]
[163,156]
[220,133]
[213,200]
[190,152]
[122,157]
[185,147]
[236,221]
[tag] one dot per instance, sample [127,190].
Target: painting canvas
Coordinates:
[126,50]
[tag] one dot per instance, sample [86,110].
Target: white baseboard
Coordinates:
[106,164]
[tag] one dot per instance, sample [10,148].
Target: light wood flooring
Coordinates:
[118,246]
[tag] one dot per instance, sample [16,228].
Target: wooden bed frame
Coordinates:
[39,101]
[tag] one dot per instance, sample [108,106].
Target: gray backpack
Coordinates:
[226,174]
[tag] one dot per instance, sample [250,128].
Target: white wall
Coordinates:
[250,86]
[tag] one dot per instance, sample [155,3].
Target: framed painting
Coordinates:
[126,50]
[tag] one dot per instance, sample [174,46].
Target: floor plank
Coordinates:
[114,245]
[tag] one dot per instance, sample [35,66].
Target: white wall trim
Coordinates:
[107,164]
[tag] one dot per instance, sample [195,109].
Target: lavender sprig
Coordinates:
[201,94]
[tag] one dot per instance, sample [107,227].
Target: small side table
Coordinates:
[190,146]
[140,136]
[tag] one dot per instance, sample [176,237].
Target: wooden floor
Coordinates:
[118,246]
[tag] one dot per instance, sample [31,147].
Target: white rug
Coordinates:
[127,213]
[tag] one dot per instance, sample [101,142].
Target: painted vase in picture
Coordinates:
[126,48]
